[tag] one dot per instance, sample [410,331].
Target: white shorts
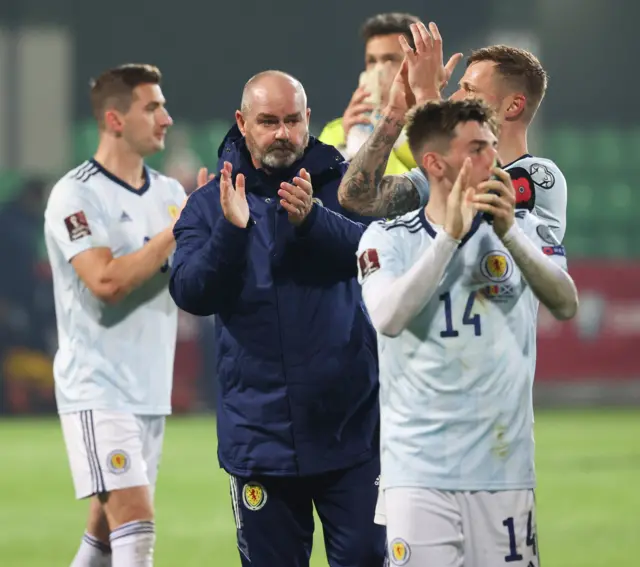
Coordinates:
[111,450]
[460,529]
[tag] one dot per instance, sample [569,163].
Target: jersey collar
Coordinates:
[141,191]
[475,225]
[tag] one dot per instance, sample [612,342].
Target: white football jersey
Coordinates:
[528,173]
[111,356]
[456,384]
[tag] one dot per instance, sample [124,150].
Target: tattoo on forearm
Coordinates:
[364,187]
[398,196]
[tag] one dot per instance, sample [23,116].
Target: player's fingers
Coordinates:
[463,176]
[503,176]
[451,65]
[498,185]
[353,120]
[425,37]
[490,199]
[360,108]
[212,176]
[406,48]
[420,46]
[434,32]
[491,209]
[359,95]
[228,167]
[469,194]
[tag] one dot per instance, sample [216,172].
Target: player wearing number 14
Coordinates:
[453,291]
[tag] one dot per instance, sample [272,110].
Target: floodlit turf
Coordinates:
[588,494]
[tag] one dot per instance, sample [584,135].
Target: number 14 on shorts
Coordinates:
[530,541]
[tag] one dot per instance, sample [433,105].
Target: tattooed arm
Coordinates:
[365,189]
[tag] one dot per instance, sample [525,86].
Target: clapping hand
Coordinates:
[498,198]
[460,208]
[233,199]
[297,198]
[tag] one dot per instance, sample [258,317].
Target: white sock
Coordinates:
[92,553]
[132,544]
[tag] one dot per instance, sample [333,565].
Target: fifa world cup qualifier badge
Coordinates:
[254,496]
[77,225]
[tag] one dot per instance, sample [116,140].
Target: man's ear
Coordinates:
[240,121]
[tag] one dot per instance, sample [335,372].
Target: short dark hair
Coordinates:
[520,69]
[114,87]
[389,23]
[437,121]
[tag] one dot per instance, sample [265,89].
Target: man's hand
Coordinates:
[357,111]
[426,73]
[498,198]
[460,209]
[233,200]
[401,97]
[297,199]
[203,177]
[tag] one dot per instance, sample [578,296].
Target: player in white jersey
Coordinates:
[453,291]
[109,236]
[510,80]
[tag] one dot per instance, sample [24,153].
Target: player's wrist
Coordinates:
[428,95]
[512,235]
[394,114]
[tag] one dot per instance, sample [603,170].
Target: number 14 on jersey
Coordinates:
[467,318]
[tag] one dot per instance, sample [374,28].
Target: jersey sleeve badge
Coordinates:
[368,262]
[524,188]
[542,176]
[77,226]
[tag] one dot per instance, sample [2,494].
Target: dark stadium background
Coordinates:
[588,380]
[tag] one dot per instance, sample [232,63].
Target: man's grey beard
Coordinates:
[271,159]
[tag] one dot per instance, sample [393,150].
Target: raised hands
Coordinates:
[427,75]
[498,198]
[357,112]
[460,206]
[233,200]
[297,198]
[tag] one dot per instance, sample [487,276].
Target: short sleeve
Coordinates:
[74,220]
[545,239]
[420,182]
[180,191]
[379,254]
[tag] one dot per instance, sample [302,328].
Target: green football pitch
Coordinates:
[588,465]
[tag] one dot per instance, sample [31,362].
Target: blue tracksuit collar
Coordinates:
[318,158]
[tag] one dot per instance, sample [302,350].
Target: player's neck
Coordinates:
[513,143]
[121,162]
[436,208]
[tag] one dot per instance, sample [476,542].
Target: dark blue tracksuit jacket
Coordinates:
[297,355]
